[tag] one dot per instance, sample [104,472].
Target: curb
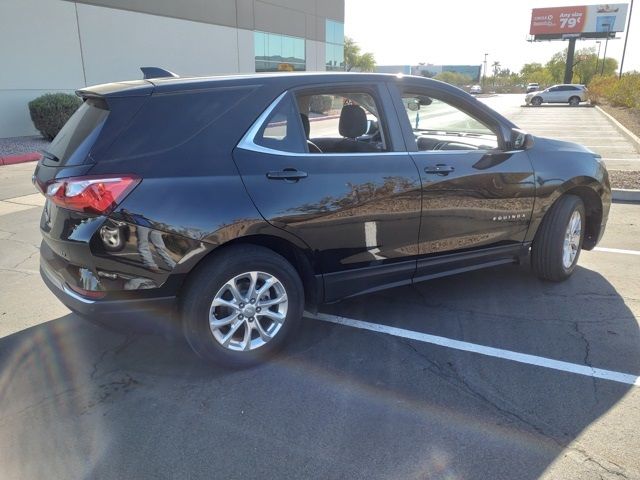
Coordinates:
[22,158]
[328,117]
[634,138]
[625,195]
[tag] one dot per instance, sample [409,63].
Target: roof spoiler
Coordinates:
[156,72]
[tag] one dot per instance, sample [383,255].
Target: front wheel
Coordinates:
[574,101]
[557,244]
[242,305]
[536,101]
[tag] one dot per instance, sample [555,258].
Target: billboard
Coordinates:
[579,21]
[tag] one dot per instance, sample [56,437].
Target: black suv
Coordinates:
[237,201]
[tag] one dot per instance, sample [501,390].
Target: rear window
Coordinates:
[77,133]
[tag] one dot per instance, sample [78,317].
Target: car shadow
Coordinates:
[80,401]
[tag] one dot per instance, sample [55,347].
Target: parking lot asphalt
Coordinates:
[584,124]
[81,401]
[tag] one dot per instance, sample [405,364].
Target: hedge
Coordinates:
[51,111]
[623,92]
[321,103]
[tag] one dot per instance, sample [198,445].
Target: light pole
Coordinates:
[484,73]
[606,43]
[598,57]
[626,37]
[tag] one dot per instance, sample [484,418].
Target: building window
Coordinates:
[334,37]
[278,53]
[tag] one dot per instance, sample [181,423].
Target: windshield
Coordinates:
[439,116]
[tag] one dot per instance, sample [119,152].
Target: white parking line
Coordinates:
[482,350]
[617,250]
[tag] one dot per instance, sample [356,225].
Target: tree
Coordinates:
[364,62]
[453,78]
[556,66]
[496,70]
[529,69]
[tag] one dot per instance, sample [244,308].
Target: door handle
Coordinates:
[287,174]
[439,169]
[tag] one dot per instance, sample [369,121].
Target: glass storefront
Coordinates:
[334,47]
[277,53]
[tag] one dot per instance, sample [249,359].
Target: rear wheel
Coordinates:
[536,101]
[574,101]
[557,244]
[242,305]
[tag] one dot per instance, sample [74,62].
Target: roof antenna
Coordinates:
[156,72]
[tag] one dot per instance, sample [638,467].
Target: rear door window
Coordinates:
[81,128]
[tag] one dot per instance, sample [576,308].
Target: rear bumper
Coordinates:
[162,308]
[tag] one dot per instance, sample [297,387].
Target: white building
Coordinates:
[60,45]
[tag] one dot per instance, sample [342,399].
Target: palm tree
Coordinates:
[496,70]
[364,62]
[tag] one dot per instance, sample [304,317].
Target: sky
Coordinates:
[408,32]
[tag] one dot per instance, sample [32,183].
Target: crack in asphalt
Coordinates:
[587,360]
[21,271]
[27,259]
[115,350]
[461,383]
[493,316]
[619,473]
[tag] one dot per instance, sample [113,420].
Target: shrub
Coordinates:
[51,111]
[321,103]
[624,92]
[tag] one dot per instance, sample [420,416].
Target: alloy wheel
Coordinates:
[572,240]
[248,311]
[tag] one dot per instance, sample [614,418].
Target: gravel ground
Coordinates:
[20,145]
[628,117]
[625,179]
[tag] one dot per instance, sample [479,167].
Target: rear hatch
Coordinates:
[101,117]
[77,202]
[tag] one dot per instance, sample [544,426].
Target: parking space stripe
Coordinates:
[482,350]
[617,250]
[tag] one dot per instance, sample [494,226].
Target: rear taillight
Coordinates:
[99,195]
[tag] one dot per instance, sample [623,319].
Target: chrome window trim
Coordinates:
[248,141]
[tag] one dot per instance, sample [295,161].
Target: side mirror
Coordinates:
[413,104]
[372,127]
[521,140]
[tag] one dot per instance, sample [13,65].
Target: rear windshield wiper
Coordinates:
[50,156]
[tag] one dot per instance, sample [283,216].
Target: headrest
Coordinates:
[305,124]
[353,121]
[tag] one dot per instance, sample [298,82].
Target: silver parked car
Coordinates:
[572,94]
[533,87]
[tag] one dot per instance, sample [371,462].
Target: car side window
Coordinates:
[437,126]
[281,130]
[341,122]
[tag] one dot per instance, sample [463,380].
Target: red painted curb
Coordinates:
[327,117]
[25,157]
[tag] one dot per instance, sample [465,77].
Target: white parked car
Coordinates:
[475,89]
[533,87]
[572,94]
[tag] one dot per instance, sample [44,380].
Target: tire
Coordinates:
[574,101]
[536,101]
[114,236]
[549,258]
[266,335]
